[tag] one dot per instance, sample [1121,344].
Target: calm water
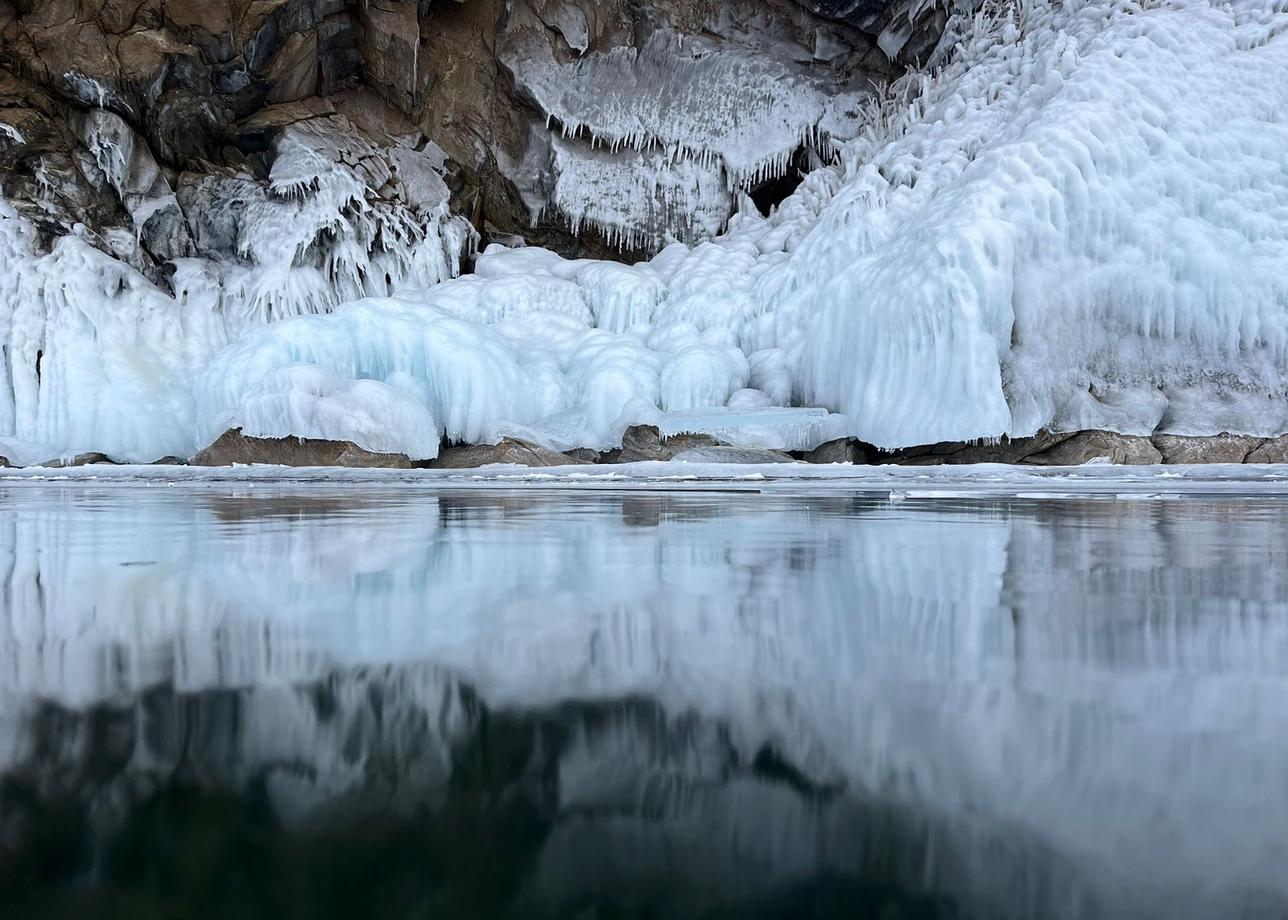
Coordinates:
[258,702]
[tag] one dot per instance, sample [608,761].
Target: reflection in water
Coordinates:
[224,702]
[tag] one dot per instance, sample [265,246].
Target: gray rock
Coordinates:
[1086,446]
[728,454]
[1273,451]
[583,455]
[1221,448]
[509,451]
[842,450]
[233,447]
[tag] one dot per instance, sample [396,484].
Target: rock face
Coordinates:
[115,107]
[1104,446]
[232,447]
[1221,448]
[1007,450]
[645,442]
[507,451]
[1273,451]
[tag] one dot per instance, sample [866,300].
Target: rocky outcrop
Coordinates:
[507,451]
[233,447]
[645,442]
[1221,448]
[527,99]
[1004,450]
[1102,446]
[1274,450]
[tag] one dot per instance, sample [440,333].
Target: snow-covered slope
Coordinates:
[1080,219]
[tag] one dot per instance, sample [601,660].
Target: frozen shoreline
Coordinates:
[983,480]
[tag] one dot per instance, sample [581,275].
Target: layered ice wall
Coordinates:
[1079,219]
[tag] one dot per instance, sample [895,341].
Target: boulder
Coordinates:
[87,459]
[1004,450]
[727,454]
[645,442]
[233,447]
[1273,451]
[1221,448]
[1086,446]
[842,450]
[508,451]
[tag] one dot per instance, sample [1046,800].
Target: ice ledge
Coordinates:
[895,483]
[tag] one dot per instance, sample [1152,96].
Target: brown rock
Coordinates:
[583,455]
[87,459]
[1221,448]
[1273,451]
[1004,450]
[1098,445]
[509,450]
[294,71]
[645,442]
[233,447]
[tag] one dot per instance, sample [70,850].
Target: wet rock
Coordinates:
[508,451]
[233,447]
[728,454]
[1105,446]
[1221,448]
[1273,451]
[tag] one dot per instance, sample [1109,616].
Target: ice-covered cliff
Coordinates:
[1068,215]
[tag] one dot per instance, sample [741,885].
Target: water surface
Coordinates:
[342,701]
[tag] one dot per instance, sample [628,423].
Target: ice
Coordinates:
[1016,677]
[1077,218]
[306,401]
[759,426]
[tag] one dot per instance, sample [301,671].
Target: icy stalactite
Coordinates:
[659,139]
[97,357]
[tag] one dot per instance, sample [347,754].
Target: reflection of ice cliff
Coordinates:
[711,692]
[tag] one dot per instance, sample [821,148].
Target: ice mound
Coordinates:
[306,401]
[1078,219]
[1081,221]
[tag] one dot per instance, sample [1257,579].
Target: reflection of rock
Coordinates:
[232,447]
[768,690]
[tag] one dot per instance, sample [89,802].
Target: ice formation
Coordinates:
[1079,219]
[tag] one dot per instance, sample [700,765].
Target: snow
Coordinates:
[1078,220]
